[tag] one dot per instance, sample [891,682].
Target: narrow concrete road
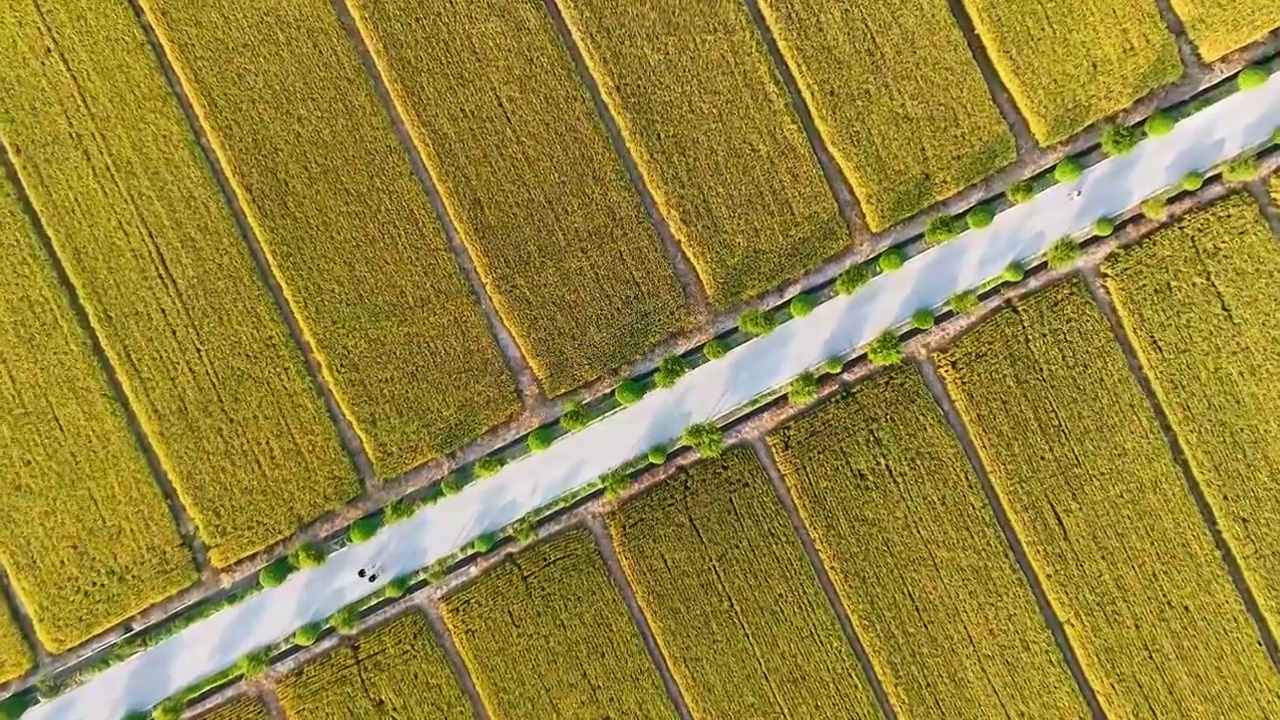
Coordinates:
[1023,232]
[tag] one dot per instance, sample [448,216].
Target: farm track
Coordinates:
[186,528]
[999,92]
[765,456]
[531,393]
[841,190]
[1262,196]
[431,609]
[694,292]
[929,372]
[1191,62]
[271,701]
[20,616]
[601,534]
[1103,300]
[350,439]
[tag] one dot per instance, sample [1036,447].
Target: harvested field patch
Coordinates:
[358,249]
[397,670]
[546,635]
[1075,452]
[1198,299]
[88,539]
[242,708]
[898,517]
[907,132]
[202,352]
[1070,63]
[715,135]
[1218,27]
[733,602]
[529,176]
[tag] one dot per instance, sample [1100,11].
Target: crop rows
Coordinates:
[1198,298]
[1069,63]
[395,671]
[734,604]
[546,635]
[88,539]
[1219,26]
[333,199]
[242,708]
[907,132]
[1077,457]
[15,654]
[528,175]
[705,112]
[899,519]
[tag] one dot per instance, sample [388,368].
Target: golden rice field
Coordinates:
[397,670]
[898,518]
[907,130]
[1076,456]
[242,708]
[1069,63]
[733,602]
[88,539]
[347,228]
[529,176]
[15,654]
[1198,299]
[545,634]
[1218,27]
[714,134]
[208,365]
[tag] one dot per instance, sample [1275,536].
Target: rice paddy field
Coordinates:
[352,236]
[68,457]
[396,670]
[546,634]
[1076,456]
[1069,63]
[1218,27]
[529,176]
[905,131]
[714,134]
[242,708]
[734,604]
[898,518]
[119,184]
[1198,299]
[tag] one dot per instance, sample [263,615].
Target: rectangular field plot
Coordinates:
[713,131]
[206,360]
[546,635]
[734,605]
[907,132]
[1219,26]
[1078,459]
[529,176]
[88,540]
[900,521]
[1069,63]
[397,670]
[15,653]
[347,228]
[242,708]
[1198,298]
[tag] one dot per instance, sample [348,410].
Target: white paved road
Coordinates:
[1197,143]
